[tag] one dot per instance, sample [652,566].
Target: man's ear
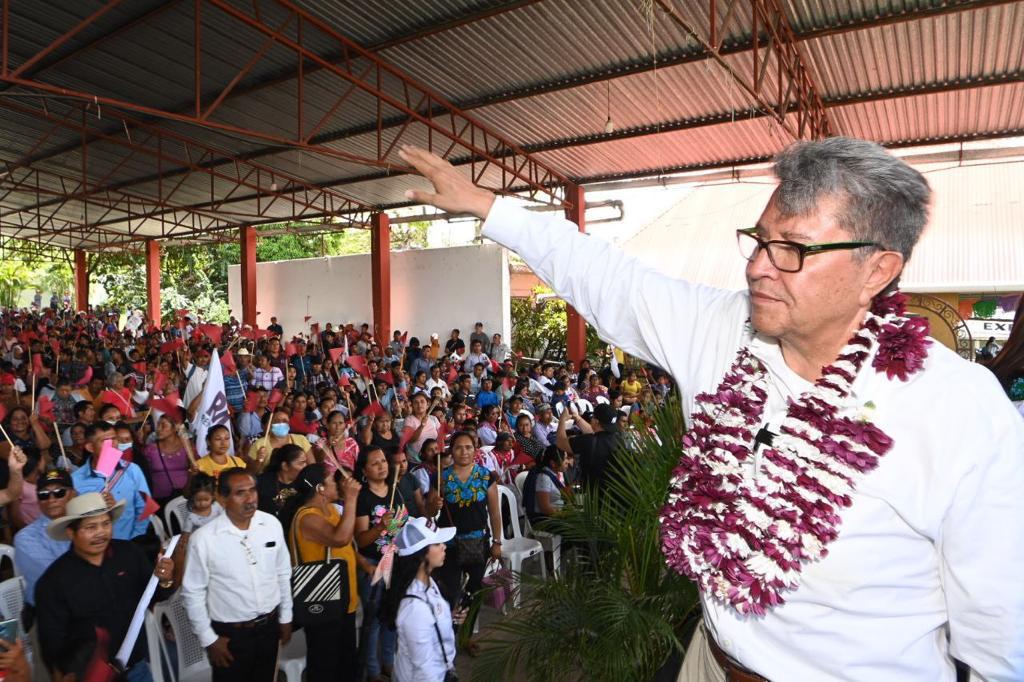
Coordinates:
[883,268]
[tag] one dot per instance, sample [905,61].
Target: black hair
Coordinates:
[306,483]
[402,574]
[201,483]
[214,429]
[80,407]
[92,429]
[225,476]
[363,458]
[286,453]
[550,454]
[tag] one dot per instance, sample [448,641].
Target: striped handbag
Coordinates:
[320,590]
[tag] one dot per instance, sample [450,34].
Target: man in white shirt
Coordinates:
[195,378]
[476,356]
[499,351]
[923,544]
[435,381]
[237,585]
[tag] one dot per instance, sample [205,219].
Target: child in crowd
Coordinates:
[202,507]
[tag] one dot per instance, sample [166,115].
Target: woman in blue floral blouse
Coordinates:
[470,498]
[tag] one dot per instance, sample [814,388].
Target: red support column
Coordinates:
[81,281]
[247,237]
[153,280]
[380,259]
[576,327]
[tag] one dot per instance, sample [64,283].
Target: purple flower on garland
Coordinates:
[892,304]
[902,349]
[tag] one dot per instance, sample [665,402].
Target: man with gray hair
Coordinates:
[837,523]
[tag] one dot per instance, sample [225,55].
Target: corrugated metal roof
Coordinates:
[541,73]
[974,241]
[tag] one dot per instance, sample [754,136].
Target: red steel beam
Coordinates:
[75,30]
[576,326]
[247,237]
[153,280]
[380,267]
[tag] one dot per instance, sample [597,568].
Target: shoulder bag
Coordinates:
[320,589]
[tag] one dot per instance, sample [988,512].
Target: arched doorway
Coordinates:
[947,325]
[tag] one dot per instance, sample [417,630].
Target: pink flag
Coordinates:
[109,457]
[149,506]
[86,377]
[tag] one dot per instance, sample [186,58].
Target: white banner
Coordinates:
[981,330]
[213,409]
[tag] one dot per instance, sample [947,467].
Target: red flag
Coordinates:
[140,367]
[404,338]
[358,363]
[45,409]
[336,353]
[37,364]
[453,374]
[227,361]
[386,378]
[508,383]
[374,409]
[276,396]
[291,349]
[298,424]
[55,345]
[119,401]
[248,334]
[252,401]
[149,506]
[181,313]
[213,331]
[495,367]
[172,346]
[169,406]
[86,377]
[159,382]
[307,318]
[343,380]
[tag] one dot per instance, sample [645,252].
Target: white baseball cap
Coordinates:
[417,534]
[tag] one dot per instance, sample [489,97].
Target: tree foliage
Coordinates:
[539,321]
[616,612]
[15,276]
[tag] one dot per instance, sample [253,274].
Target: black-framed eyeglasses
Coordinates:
[785,255]
[58,493]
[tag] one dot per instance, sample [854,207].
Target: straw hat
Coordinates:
[84,506]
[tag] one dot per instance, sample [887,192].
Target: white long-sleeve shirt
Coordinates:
[419,657]
[234,575]
[928,560]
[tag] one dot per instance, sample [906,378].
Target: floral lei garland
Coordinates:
[744,539]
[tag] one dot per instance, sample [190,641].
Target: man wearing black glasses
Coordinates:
[849,499]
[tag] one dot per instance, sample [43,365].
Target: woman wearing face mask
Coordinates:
[279,435]
[277,482]
[338,449]
[167,461]
[414,606]
[218,457]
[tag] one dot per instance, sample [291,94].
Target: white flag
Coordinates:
[615,364]
[213,409]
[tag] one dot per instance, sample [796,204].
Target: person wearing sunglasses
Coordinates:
[35,550]
[864,480]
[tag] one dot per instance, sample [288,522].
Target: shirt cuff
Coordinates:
[284,615]
[207,636]
[501,224]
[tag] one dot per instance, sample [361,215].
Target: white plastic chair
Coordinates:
[8,551]
[193,666]
[158,529]
[521,481]
[157,649]
[517,548]
[292,660]
[12,601]
[176,510]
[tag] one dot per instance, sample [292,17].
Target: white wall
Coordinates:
[432,290]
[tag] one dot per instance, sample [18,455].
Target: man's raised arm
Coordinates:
[638,309]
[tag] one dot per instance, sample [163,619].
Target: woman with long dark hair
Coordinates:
[415,607]
[1008,365]
[318,530]
[277,482]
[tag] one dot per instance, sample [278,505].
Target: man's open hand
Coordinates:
[453,191]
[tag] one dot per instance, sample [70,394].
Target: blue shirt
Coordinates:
[128,486]
[34,551]
[234,389]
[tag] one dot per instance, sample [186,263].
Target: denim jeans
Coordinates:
[140,672]
[375,634]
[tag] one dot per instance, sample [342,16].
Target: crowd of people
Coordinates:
[329,447]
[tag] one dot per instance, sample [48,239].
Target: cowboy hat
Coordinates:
[84,506]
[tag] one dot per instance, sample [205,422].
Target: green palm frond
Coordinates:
[617,612]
